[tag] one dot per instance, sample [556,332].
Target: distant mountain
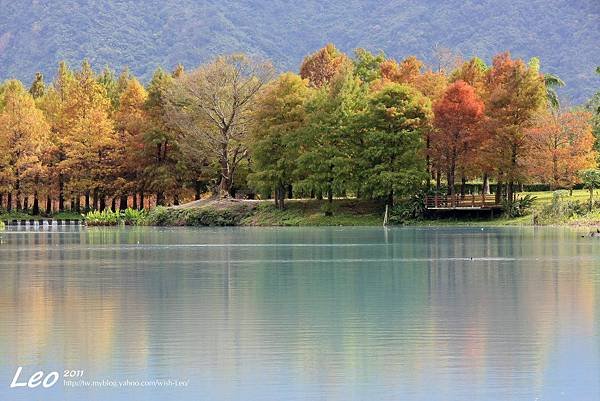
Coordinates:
[36,34]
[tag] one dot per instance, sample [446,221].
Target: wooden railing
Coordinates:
[458,201]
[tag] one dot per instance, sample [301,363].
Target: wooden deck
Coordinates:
[458,202]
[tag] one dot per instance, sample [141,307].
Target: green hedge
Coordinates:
[211,217]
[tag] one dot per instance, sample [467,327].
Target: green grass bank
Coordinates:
[549,208]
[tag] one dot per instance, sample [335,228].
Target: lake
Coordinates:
[301,313]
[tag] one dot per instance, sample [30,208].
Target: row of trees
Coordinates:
[366,126]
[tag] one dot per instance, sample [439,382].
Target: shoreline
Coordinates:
[347,212]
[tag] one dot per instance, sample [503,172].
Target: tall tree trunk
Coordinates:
[225,184]
[329,211]
[61,193]
[175,200]
[18,195]
[1,200]
[102,202]
[113,204]
[499,186]
[123,202]
[48,205]
[87,201]
[96,199]
[390,199]
[142,199]
[9,201]
[463,186]
[36,204]
[450,179]
[78,203]
[486,184]
[290,192]
[280,197]
[197,188]
[438,179]
[510,189]
[135,201]
[160,198]
[25,203]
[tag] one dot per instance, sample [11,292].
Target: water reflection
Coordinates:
[278,314]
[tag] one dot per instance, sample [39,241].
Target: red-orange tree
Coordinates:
[458,115]
[561,145]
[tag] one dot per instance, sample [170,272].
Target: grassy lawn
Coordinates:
[346,212]
[545,197]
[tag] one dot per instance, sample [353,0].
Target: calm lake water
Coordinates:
[302,313]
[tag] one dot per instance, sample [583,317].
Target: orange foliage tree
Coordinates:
[515,96]
[320,67]
[561,145]
[458,115]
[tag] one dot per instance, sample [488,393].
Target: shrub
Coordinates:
[560,209]
[103,218]
[159,216]
[133,217]
[204,216]
[520,207]
[412,208]
[109,218]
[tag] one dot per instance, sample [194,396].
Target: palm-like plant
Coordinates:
[553,82]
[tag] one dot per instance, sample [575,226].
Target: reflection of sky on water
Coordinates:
[305,313]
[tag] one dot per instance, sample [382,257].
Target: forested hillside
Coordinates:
[36,34]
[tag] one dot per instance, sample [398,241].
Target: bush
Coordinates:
[102,218]
[560,209]
[206,216]
[159,216]
[212,217]
[133,217]
[412,208]
[520,207]
[109,218]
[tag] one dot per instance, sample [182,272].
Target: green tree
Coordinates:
[367,66]
[279,115]
[393,141]
[593,105]
[330,143]
[38,87]
[160,146]
[591,181]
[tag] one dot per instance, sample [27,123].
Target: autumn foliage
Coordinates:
[559,147]
[368,126]
[458,136]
